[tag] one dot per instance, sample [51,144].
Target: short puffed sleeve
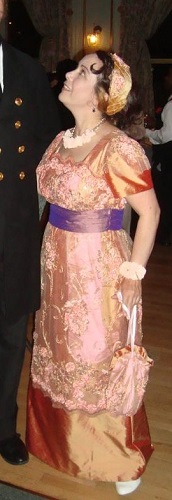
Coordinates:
[126,166]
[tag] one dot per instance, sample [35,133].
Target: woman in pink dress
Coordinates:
[87,175]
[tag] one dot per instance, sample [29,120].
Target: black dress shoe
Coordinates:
[14,451]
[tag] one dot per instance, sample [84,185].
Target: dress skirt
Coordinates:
[76,332]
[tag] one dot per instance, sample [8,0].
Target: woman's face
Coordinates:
[79,87]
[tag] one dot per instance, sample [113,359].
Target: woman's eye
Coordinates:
[82,72]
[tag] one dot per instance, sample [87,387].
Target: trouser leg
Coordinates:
[12,349]
[164,188]
[165,226]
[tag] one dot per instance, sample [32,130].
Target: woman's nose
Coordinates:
[69,75]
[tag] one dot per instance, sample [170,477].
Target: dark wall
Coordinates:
[21,32]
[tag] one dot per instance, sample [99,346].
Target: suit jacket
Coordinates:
[28,123]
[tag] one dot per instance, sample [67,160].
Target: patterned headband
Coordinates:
[119,87]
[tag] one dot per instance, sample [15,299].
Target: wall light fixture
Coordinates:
[94,38]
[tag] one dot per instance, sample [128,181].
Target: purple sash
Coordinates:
[87,221]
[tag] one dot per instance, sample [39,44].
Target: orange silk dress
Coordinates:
[80,323]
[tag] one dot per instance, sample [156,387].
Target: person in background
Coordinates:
[161,140]
[131,121]
[131,118]
[28,123]
[91,275]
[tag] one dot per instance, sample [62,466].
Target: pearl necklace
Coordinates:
[69,141]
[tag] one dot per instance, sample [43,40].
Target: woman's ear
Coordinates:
[94,100]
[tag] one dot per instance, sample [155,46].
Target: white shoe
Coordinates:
[124,488]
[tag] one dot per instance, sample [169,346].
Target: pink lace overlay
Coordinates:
[81,324]
[117,387]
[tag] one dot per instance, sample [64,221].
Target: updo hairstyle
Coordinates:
[114,80]
[104,78]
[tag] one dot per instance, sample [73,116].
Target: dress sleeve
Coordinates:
[127,169]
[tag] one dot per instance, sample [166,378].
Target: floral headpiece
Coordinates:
[119,87]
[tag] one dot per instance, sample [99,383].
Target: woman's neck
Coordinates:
[87,122]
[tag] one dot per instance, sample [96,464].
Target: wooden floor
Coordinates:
[157,480]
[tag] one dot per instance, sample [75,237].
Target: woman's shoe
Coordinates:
[124,488]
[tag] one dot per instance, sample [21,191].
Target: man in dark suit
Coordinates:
[28,123]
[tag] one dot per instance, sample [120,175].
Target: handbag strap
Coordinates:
[131,321]
[132,328]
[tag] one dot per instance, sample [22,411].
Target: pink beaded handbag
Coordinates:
[129,374]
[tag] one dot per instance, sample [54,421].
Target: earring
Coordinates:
[93,110]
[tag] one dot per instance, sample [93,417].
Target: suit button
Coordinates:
[1,176]
[22,175]
[21,149]
[18,124]
[18,101]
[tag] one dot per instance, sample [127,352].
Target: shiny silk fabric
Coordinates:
[81,323]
